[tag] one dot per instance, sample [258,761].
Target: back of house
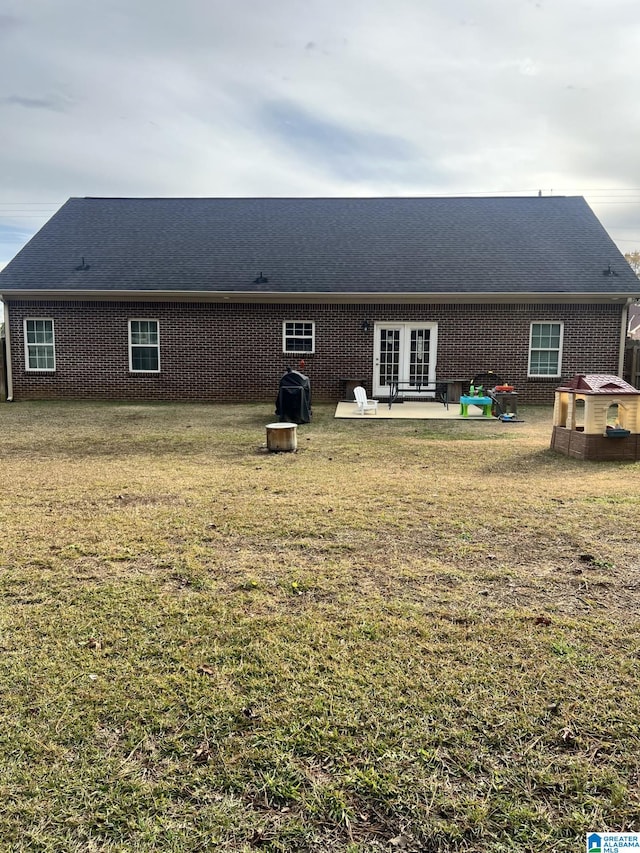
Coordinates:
[212,299]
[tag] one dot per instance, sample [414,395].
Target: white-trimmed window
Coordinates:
[298,336]
[144,346]
[39,344]
[545,348]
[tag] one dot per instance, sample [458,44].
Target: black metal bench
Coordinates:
[439,390]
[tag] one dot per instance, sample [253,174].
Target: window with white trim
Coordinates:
[298,336]
[545,349]
[144,346]
[39,344]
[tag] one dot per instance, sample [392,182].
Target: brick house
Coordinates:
[211,299]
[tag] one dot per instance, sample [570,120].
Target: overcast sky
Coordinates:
[318,98]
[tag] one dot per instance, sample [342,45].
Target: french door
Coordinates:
[405,353]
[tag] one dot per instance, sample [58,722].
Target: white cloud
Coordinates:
[357,97]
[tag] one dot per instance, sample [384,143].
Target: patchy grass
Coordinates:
[407,636]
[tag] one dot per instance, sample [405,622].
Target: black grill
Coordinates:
[294,398]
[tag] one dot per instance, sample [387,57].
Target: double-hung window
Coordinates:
[144,346]
[545,349]
[298,336]
[39,344]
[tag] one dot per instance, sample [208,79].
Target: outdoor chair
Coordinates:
[363,404]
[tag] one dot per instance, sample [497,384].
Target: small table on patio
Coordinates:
[456,388]
[348,384]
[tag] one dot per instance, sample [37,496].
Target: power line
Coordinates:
[534,190]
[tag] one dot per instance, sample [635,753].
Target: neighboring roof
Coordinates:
[598,383]
[323,245]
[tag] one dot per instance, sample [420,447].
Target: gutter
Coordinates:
[319,297]
[624,323]
[7,337]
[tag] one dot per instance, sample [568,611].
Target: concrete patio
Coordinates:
[412,411]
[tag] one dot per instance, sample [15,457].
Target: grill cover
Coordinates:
[294,398]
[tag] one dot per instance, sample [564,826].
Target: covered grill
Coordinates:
[294,398]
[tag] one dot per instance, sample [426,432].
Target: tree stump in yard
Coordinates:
[282,438]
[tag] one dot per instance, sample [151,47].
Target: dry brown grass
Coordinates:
[408,635]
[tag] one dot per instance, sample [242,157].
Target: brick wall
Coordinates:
[233,352]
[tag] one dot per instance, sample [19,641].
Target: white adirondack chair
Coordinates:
[363,404]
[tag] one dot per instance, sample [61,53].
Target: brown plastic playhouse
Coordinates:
[586,433]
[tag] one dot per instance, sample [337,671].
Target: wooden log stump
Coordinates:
[282,438]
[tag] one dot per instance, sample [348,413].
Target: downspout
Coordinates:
[7,338]
[624,323]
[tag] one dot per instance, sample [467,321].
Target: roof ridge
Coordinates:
[328,198]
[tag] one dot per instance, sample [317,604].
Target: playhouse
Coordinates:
[583,415]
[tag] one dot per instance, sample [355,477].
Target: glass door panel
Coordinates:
[418,368]
[388,356]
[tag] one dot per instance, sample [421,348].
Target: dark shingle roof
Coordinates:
[309,245]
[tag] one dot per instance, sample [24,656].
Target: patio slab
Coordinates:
[412,411]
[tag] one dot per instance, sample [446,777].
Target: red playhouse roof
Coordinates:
[598,383]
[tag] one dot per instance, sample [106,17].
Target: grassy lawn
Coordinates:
[410,635]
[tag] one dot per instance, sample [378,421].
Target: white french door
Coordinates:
[406,353]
